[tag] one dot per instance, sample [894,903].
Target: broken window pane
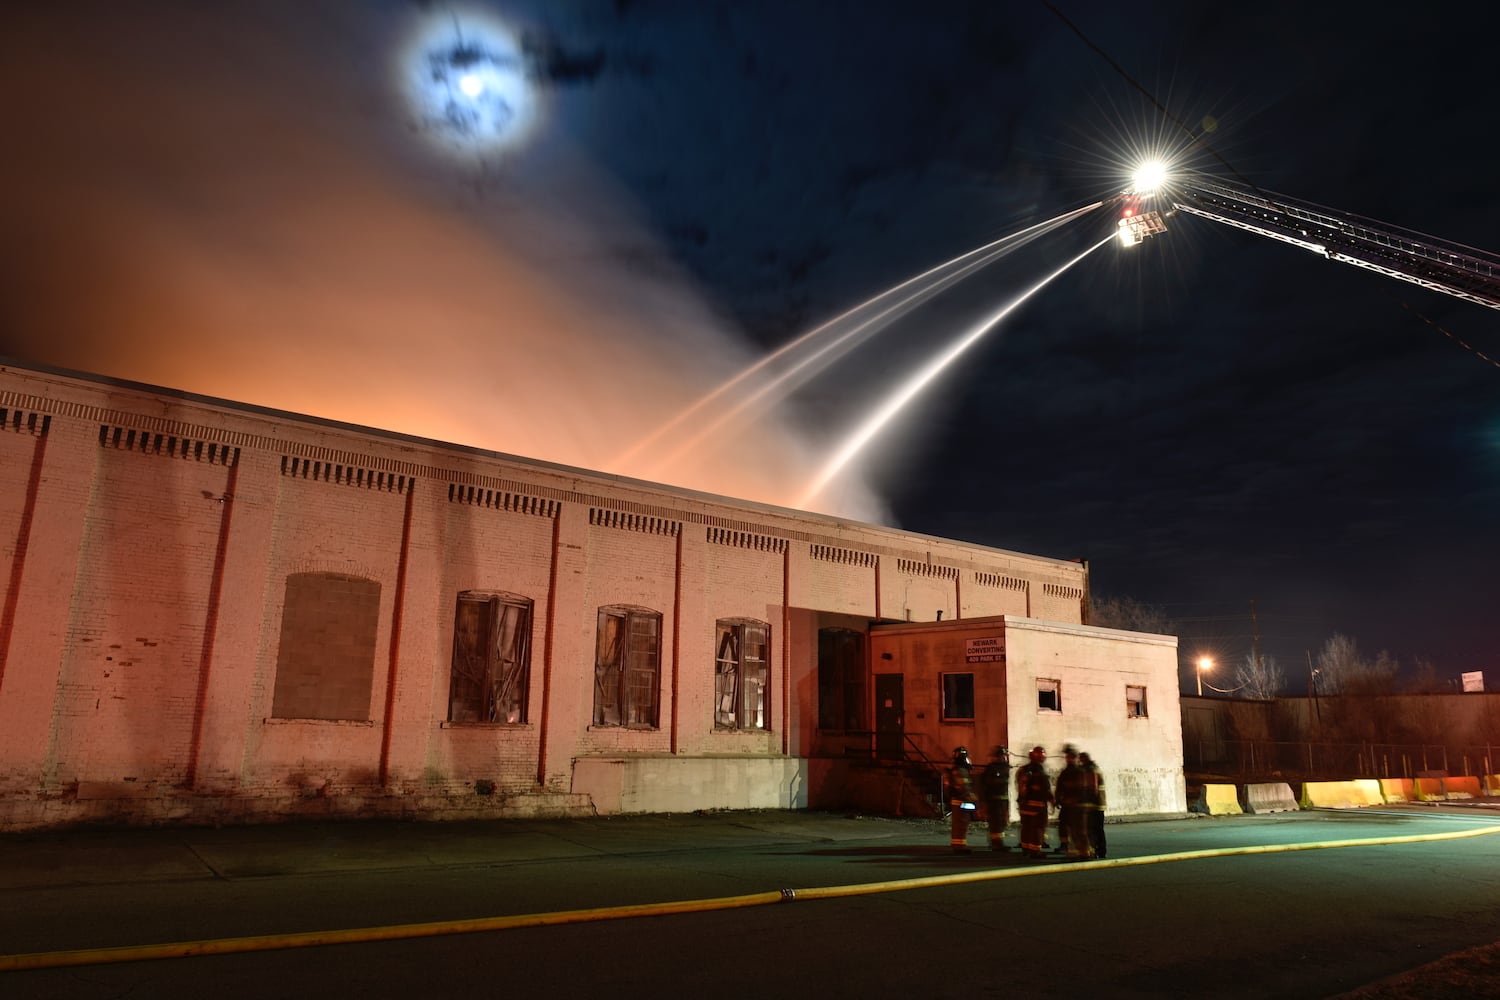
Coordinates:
[489,679]
[741,674]
[512,658]
[627,667]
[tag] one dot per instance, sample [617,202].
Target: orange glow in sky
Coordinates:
[261,236]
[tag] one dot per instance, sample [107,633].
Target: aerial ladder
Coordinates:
[1464,272]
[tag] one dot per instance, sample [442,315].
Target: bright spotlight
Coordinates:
[1149,177]
[471,85]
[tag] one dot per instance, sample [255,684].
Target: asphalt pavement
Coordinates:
[103,856]
[131,855]
[123,888]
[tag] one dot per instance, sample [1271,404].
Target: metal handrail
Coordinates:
[911,754]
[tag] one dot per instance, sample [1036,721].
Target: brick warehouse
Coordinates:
[220,613]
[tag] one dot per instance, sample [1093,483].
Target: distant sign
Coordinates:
[987,650]
[1473,680]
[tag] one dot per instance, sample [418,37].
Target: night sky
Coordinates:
[246,200]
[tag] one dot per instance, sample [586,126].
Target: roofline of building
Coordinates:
[1020,623]
[37,368]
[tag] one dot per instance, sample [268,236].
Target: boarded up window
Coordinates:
[841,680]
[490,677]
[325,662]
[1135,702]
[627,667]
[741,674]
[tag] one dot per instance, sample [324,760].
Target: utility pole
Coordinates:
[1254,635]
[1312,689]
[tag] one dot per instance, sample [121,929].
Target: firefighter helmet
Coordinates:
[960,755]
[1037,753]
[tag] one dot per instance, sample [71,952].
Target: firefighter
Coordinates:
[1093,804]
[995,783]
[961,802]
[1033,799]
[1072,792]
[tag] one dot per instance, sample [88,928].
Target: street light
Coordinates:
[1204,663]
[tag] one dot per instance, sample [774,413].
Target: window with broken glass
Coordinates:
[491,673]
[742,674]
[627,667]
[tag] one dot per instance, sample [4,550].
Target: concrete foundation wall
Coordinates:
[654,784]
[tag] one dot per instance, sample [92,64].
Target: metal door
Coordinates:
[890,716]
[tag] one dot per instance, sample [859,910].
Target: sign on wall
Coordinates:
[990,649]
[1473,680]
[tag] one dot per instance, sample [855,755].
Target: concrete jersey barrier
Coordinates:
[1462,788]
[1430,789]
[1397,789]
[1341,794]
[1270,797]
[1221,800]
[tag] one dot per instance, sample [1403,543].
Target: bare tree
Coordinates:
[1259,677]
[1342,670]
[1129,614]
[1426,679]
[1338,660]
[1378,676]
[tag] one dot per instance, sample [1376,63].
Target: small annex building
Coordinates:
[214,612]
[1014,682]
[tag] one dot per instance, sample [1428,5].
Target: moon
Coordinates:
[466,81]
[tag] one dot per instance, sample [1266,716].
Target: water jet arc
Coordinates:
[909,389]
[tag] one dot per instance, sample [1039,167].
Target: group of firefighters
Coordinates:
[1078,796]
